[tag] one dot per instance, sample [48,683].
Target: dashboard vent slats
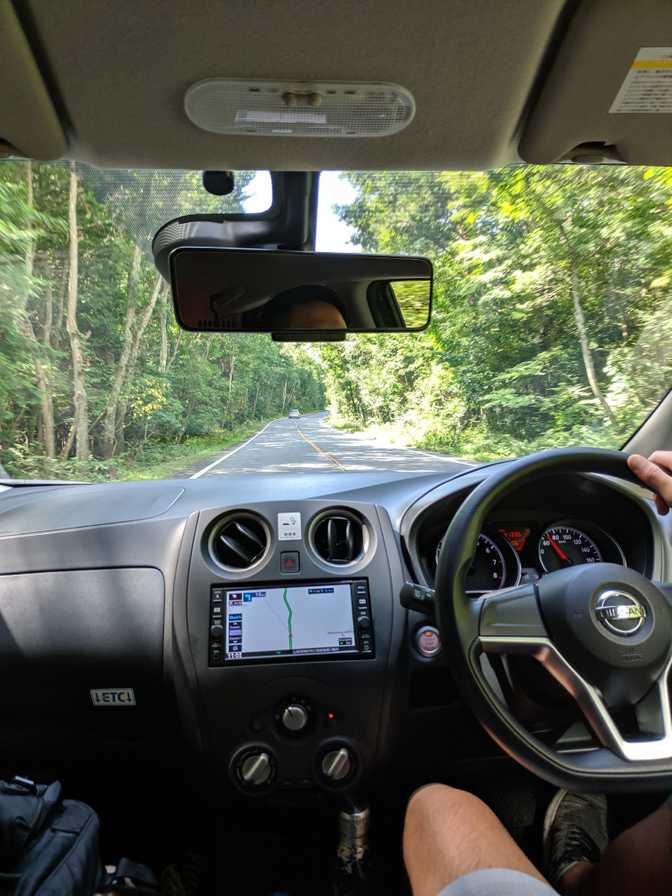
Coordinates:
[239,542]
[338,538]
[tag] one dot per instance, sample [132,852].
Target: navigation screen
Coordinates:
[296,620]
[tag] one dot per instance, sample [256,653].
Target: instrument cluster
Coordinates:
[508,553]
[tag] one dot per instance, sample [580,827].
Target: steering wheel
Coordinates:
[603,631]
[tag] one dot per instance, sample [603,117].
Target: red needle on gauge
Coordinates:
[558,550]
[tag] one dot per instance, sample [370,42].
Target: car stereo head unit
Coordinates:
[288,621]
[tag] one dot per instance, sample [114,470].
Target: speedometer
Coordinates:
[563,546]
[488,569]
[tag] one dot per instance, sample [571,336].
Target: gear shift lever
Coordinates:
[353,849]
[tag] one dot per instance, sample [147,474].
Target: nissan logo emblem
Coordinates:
[619,612]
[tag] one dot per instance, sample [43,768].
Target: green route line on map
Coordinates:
[289,617]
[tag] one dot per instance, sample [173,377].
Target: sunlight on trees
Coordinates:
[552,317]
[552,308]
[92,364]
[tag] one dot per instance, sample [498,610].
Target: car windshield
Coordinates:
[551,325]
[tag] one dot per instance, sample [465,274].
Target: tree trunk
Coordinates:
[145,318]
[80,398]
[256,398]
[176,349]
[48,327]
[60,305]
[30,248]
[586,353]
[132,361]
[46,428]
[284,396]
[163,328]
[114,398]
[69,441]
[47,411]
[232,364]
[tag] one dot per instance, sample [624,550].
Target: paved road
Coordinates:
[310,445]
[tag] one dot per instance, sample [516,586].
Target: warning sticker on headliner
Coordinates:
[648,85]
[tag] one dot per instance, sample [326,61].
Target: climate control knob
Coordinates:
[337,765]
[256,770]
[294,717]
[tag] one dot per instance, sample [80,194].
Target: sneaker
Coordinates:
[575,830]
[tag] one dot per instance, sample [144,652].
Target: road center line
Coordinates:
[230,453]
[328,457]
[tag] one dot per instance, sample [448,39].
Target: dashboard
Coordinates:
[255,622]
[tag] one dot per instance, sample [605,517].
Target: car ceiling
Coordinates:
[494,82]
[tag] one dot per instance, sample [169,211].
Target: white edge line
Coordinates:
[446,457]
[231,453]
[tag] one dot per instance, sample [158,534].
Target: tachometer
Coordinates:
[562,546]
[488,570]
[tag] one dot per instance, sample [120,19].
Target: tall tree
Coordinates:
[136,340]
[80,398]
[114,398]
[40,359]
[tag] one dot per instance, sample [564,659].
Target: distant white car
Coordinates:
[293,413]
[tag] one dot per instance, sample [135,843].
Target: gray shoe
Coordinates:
[575,830]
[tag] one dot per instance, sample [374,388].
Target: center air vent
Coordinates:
[339,537]
[239,541]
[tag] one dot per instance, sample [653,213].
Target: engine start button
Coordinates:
[427,641]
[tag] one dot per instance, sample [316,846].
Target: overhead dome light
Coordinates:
[299,109]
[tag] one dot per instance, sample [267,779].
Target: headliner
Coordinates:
[104,81]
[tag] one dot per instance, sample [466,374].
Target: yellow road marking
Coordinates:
[329,457]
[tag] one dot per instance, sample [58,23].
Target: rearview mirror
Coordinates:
[279,292]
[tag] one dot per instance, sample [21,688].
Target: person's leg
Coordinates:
[449,833]
[638,861]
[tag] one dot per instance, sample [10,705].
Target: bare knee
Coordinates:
[443,795]
[439,816]
[438,804]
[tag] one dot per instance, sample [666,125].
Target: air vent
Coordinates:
[239,541]
[339,537]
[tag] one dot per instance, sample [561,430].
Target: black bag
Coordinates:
[49,846]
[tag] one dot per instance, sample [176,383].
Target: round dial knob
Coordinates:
[256,769]
[217,632]
[294,717]
[337,765]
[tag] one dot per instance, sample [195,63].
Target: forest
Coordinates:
[551,324]
[96,378]
[552,320]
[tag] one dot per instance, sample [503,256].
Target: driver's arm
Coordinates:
[656,473]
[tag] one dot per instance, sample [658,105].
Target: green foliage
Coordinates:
[181,393]
[552,318]
[552,301]
[153,460]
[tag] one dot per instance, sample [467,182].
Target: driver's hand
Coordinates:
[656,474]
